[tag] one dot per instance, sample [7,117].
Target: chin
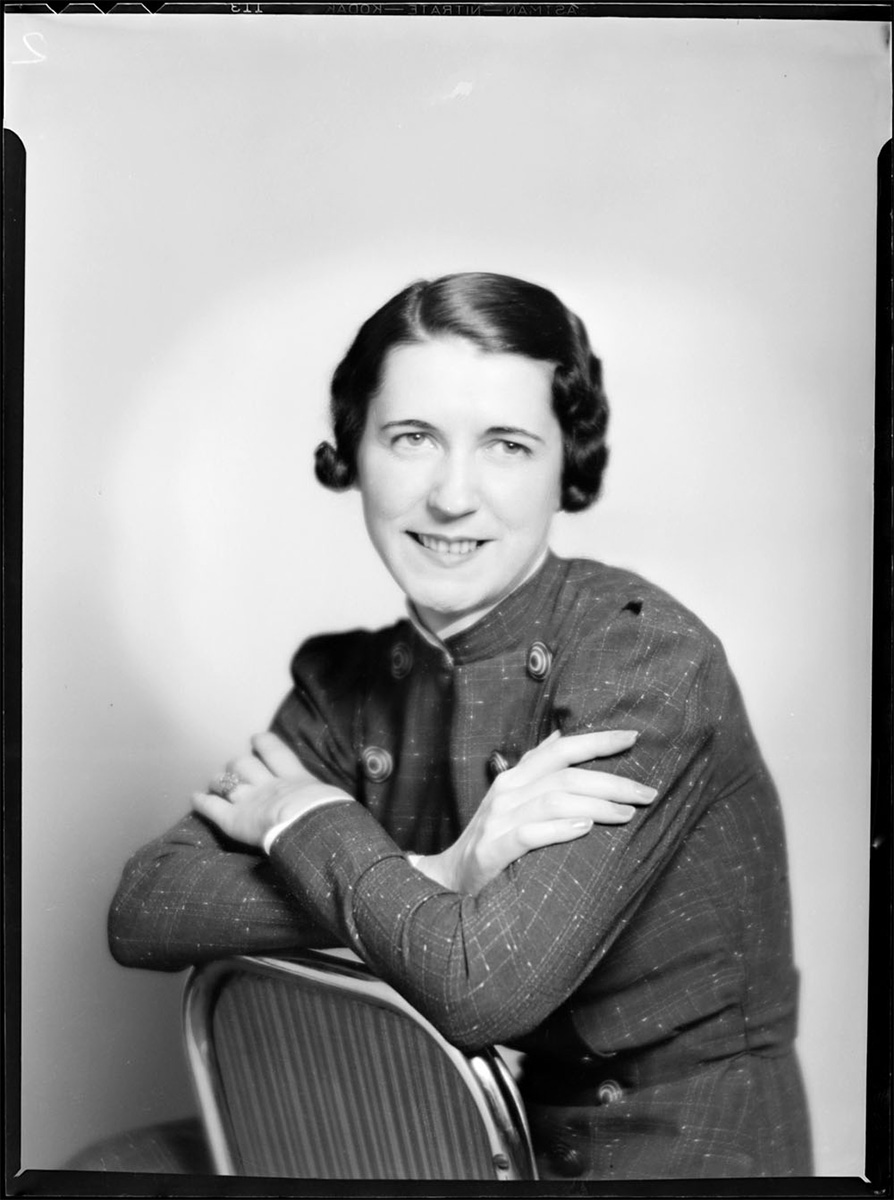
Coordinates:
[450,607]
[448,602]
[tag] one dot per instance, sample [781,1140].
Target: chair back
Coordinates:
[314,1068]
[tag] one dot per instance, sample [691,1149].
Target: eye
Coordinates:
[512,449]
[413,439]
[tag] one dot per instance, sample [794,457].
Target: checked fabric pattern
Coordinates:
[665,943]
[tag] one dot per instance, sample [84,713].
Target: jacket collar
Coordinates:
[515,620]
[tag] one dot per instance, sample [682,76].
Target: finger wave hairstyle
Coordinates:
[499,315]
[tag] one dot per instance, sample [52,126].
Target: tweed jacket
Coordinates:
[646,969]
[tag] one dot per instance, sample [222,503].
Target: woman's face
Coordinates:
[460,469]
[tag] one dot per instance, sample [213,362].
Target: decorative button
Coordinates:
[377,763]
[497,763]
[610,1091]
[540,660]
[401,660]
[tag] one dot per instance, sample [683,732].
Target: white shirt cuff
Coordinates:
[272,834]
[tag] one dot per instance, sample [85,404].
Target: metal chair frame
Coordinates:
[485,1075]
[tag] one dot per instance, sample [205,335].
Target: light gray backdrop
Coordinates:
[214,203]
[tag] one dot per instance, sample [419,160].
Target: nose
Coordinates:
[454,488]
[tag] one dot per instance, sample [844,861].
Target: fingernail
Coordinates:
[624,810]
[631,734]
[648,793]
[580,824]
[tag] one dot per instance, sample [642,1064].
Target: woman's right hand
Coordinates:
[542,800]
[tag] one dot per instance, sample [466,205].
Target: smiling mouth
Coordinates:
[452,547]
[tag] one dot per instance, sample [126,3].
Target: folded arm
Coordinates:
[193,895]
[491,967]
[203,891]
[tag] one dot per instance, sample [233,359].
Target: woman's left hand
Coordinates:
[274,786]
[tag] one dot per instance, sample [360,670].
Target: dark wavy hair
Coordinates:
[499,315]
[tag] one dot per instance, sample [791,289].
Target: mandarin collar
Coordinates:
[517,618]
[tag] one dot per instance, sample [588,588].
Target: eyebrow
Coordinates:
[502,430]
[514,431]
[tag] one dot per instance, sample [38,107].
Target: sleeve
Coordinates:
[192,894]
[491,968]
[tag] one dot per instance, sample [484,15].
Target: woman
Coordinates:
[427,794]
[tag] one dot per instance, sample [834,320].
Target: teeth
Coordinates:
[442,546]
